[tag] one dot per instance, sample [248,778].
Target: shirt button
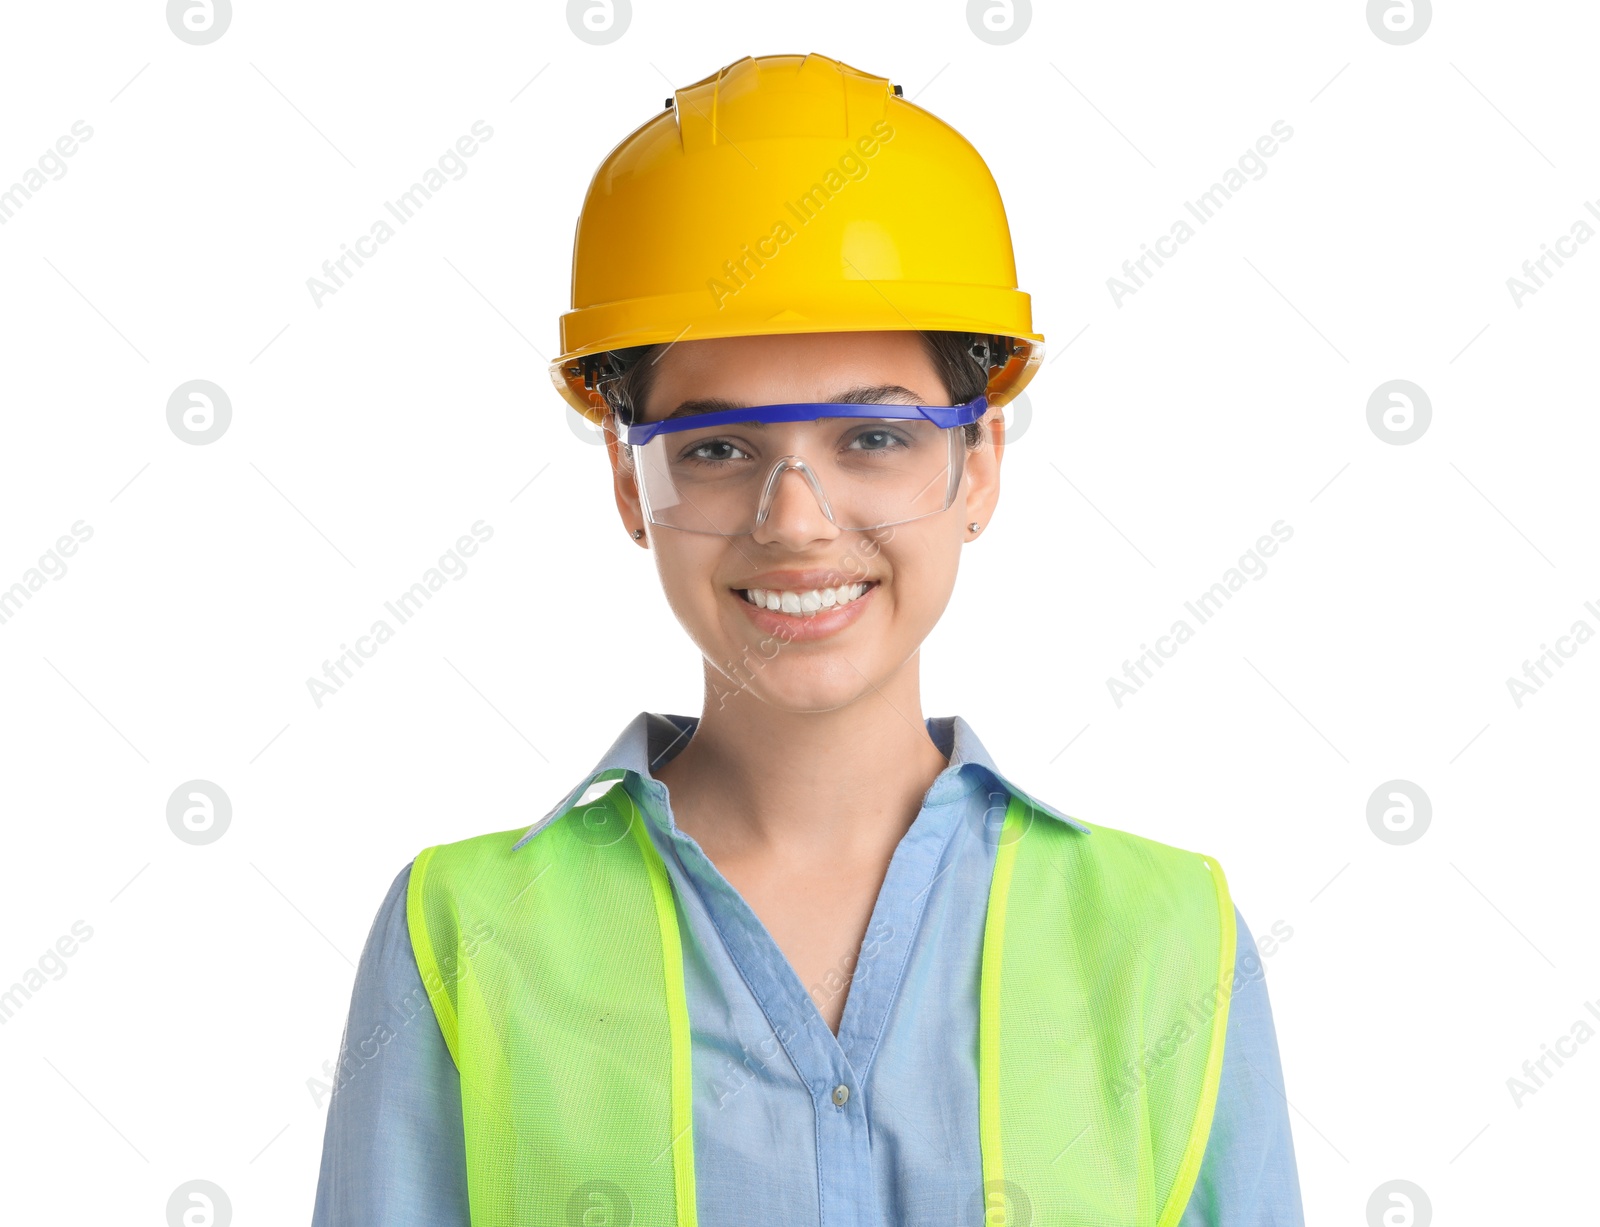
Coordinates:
[841,1095]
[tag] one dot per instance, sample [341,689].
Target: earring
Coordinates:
[637,533]
[974,527]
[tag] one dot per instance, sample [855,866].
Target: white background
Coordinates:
[369,433]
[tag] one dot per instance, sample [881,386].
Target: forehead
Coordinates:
[796,367]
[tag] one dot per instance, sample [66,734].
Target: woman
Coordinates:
[809,957]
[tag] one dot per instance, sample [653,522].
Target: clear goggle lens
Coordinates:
[863,472]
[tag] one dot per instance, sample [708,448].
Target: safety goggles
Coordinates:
[868,466]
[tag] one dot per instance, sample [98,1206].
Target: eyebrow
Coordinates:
[865,394]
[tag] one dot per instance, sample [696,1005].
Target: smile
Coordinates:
[804,604]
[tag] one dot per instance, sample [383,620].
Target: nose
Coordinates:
[794,512]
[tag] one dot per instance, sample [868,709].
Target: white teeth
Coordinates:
[804,603]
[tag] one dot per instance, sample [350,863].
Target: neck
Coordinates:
[845,783]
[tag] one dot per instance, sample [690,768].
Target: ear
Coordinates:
[624,482]
[982,476]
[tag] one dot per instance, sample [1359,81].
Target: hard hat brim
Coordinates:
[864,306]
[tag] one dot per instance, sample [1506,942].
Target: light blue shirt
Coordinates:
[770,1145]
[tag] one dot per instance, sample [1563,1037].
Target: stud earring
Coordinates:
[974,527]
[637,533]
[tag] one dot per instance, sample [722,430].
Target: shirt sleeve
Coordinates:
[1248,1176]
[393,1153]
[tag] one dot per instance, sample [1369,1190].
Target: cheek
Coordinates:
[687,565]
[923,571]
[935,585]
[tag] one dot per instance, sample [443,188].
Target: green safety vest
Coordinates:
[556,974]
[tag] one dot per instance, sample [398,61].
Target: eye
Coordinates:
[715,451]
[878,439]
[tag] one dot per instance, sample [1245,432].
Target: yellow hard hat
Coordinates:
[787,194]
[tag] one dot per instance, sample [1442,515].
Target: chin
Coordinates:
[798,687]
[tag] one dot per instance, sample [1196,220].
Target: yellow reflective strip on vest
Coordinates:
[678,1021]
[1195,1152]
[422,947]
[994,931]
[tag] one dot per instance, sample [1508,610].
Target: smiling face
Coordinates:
[895,581]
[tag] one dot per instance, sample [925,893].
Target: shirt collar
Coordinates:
[651,738]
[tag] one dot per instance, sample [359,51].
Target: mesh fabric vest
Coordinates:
[555,971]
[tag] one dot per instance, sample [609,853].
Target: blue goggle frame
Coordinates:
[943,416]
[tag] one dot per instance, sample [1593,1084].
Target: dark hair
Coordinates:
[963,360]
